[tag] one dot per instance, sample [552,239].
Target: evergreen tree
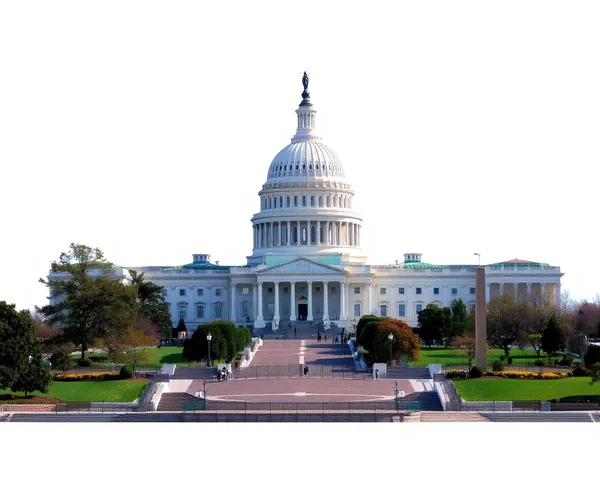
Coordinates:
[434,324]
[460,320]
[181,326]
[553,338]
[152,303]
[21,366]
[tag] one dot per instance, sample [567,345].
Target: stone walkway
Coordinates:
[310,351]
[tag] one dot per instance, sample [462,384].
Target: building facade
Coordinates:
[307,263]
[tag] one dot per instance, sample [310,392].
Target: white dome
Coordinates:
[305,159]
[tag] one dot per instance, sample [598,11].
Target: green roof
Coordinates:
[421,265]
[198,266]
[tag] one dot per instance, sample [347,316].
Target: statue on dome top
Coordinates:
[305,81]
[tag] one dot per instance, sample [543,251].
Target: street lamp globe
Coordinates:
[30,358]
[390,337]
[209,337]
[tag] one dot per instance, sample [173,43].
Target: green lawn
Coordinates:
[488,389]
[91,391]
[159,356]
[447,356]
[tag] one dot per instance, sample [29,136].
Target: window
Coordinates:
[418,290]
[217,292]
[270,290]
[200,292]
[383,310]
[182,310]
[401,291]
[218,311]
[419,307]
[182,292]
[402,310]
[200,311]
[320,201]
[302,289]
[382,291]
[304,201]
[245,310]
[280,202]
[356,290]
[454,291]
[317,289]
[357,309]
[245,291]
[295,201]
[288,202]
[312,200]
[332,289]
[285,289]
[164,292]
[436,291]
[472,290]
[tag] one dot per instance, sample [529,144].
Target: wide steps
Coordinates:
[428,401]
[173,402]
[407,373]
[194,373]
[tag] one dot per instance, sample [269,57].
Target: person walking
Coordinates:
[376,374]
[319,337]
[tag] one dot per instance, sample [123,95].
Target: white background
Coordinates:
[147,128]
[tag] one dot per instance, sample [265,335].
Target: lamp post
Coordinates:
[479,256]
[30,358]
[390,338]
[209,338]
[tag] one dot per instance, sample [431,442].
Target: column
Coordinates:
[298,233]
[342,301]
[289,233]
[487,292]
[292,301]
[276,313]
[349,305]
[351,233]
[260,321]
[232,312]
[319,239]
[310,305]
[325,301]
[254,301]
[339,233]
[370,299]
[279,234]
[272,234]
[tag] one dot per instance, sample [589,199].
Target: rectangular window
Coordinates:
[419,307]
[356,290]
[436,291]
[200,311]
[357,309]
[200,292]
[182,309]
[245,310]
[418,290]
[270,290]
[302,289]
[182,292]
[382,291]
[285,289]
[401,290]
[472,290]
[332,289]
[402,310]
[454,291]
[317,289]
[218,311]
[245,291]
[217,292]
[383,310]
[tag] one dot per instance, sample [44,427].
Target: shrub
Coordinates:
[61,360]
[476,372]
[84,362]
[509,360]
[502,358]
[592,355]
[539,363]
[77,377]
[450,374]
[498,366]
[580,371]
[126,371]
[566,361]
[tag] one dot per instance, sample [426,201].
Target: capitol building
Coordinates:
[307,262]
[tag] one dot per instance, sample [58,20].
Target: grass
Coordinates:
[92,391]
[158,357]
[489,389]
[447,356]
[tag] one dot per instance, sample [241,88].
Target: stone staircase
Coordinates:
[428,401]
[194,373]
[173,402]
[304,330]
[410,373]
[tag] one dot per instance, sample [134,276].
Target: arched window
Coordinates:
[295,200]
[280,202]
[335,201]
[303,234]
[269,202]
[313,233]
[312,200]
[288,202]
[274,202]
[320,201]
[327,200]
[304,201]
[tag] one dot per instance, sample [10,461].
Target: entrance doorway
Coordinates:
[302,311]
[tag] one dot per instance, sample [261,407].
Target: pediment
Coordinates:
[301,266]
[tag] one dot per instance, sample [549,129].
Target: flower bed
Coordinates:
[514,374]
[78,377]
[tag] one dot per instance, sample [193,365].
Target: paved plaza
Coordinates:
[308,351]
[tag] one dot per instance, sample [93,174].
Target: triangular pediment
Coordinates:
[301,266]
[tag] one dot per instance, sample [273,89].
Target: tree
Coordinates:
[88,302]
[405,344]
[459,322]
[434,324]
[21,365]
[196,348]
[363,321]
[152,303]
[130,348]
[595,374]
[504,322]
[465,347]
[367,334]
[181,326]
[553,338]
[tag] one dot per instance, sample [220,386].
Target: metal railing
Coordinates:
[297,371]
[77,407]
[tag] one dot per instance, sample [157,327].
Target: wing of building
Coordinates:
[307,263]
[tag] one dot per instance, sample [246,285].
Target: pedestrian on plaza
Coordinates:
[325,337]
[376,374]
[305,370]
[290,325]
[318,337]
